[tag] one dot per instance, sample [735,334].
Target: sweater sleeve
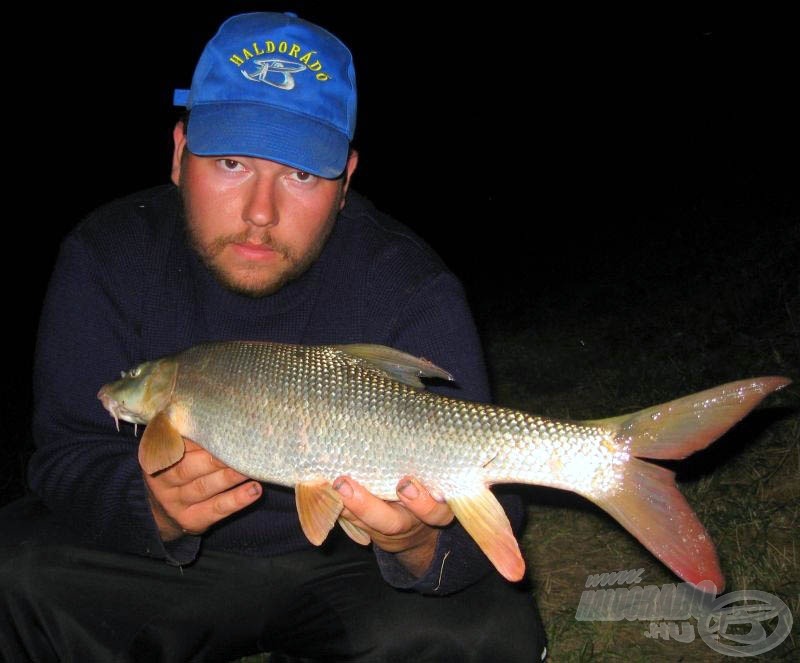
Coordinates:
[82,467]
[436,323]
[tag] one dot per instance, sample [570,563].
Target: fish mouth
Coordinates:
[117,409]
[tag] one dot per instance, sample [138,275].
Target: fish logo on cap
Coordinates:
[283,69]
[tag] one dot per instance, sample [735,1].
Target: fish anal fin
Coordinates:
[677,429]
[355,532]
[395,364]
[161,445]
[318,506]
[483,517]
[649,505]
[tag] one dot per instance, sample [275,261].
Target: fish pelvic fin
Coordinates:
[677,429]
[647,501]
[396,365]
[648,504]
[355,532]
[318,506]
[483,517]
[161,445]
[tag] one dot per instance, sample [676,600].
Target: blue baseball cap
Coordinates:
[273,86]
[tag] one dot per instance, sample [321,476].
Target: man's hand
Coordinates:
[408,528]
[196,492]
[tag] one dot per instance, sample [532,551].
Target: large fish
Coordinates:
[303,415]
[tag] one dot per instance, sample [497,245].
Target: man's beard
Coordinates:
[295,265]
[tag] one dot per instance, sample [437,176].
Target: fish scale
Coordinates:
[304,415]
[317,428]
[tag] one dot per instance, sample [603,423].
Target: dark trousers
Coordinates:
[62,601]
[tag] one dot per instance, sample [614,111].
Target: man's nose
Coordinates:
[260,208]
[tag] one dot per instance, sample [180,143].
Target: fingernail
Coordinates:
[254,490]
[343,487]
[409,490]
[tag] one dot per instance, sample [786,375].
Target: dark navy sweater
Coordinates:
[127,287]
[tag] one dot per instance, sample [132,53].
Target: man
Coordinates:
[261,238]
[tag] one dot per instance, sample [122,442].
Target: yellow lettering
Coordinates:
[294,51]
[270,46]
[247,54]
[307,57]
[316,66]
[322,76]
[236,60]
[256,49]
[283,47]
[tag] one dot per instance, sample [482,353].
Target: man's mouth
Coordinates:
[254,251]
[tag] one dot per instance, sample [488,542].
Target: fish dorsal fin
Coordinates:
[396,365]
[161,445]
[483,517]
[318,506]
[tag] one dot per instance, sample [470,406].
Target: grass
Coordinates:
[726,307]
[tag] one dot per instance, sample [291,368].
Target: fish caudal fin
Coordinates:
[647,502]
[483,517]
[677,429]
[161,445]
[649,506]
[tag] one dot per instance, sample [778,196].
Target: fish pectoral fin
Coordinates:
[486,522]
[318,506]
[161,446]
[396,365]
[355,532]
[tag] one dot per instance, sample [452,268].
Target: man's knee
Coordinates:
[491,621]
[28,579]
[478,643]
[30,571]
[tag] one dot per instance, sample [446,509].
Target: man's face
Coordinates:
[257,224]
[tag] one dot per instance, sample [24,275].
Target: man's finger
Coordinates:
[421,503]
[196,462]
[207,486]
[199,517]
[375,513]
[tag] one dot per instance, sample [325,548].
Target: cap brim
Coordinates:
[266,132]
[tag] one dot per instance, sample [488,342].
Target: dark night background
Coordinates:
[534,155]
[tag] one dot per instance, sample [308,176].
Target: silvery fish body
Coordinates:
[304,415]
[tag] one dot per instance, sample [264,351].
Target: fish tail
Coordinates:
[647,502]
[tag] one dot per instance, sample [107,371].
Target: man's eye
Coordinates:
[302,176]
[230,164]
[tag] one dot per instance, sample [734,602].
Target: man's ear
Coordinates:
[179,139]
[352,163]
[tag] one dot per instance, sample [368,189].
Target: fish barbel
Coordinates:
[304,415]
